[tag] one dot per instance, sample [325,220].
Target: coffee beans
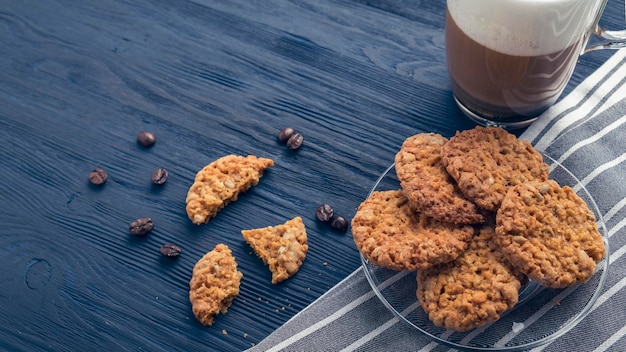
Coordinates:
[170,250]
[295,141]
[146,139]
[159,176]
[285,134]
[98,176]
[324,212]
[339,223]
[141,227]
[290,137]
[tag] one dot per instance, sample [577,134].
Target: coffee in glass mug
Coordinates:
[509,60]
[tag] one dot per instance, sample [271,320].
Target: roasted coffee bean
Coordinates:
[285,134]
[324,212]
[141,226]
[159,176]
[98,176]
[171,250]
[339,223]
[146,139]
[295,141]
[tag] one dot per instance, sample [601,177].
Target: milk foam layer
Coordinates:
[525,27]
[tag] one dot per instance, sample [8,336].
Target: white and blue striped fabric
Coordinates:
[586,132]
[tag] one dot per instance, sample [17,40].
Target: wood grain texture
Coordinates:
[80,79]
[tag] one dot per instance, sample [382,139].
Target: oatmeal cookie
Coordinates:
[486,161]
[214,284]
[281,247]
[549,234]
[473,290]
[389,233]
[427,184]
[221,182]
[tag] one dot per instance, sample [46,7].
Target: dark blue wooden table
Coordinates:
[80,79]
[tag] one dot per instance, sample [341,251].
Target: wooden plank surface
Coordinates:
[80,79]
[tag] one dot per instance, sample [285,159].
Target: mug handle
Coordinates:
[615,39]
[612,39]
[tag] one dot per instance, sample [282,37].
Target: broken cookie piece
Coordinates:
[220,183]
[214,284]
[281,247]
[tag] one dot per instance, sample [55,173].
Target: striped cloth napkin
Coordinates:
[585,131]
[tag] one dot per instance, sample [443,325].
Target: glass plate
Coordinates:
[540,316]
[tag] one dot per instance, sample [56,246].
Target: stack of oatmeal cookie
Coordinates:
[476,217]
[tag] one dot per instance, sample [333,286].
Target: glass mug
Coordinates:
[509,60]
